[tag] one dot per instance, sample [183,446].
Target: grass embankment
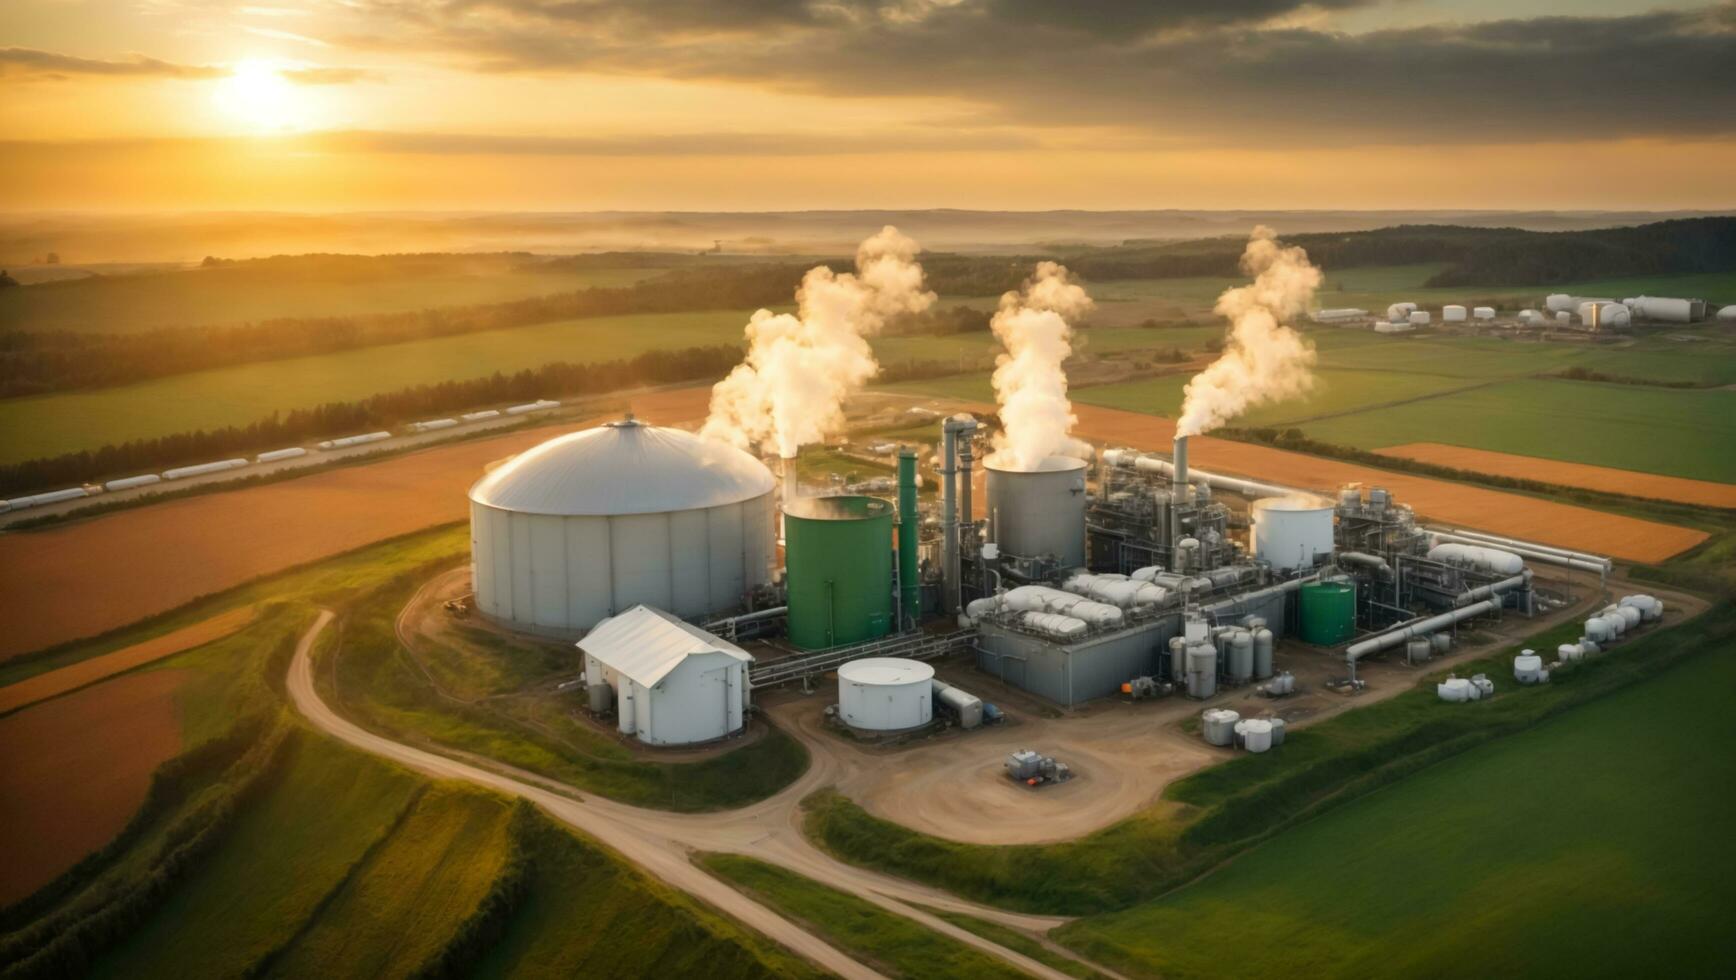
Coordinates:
[1214,814]
[498,713]
[1595,844]
[890,943]
[1016,941]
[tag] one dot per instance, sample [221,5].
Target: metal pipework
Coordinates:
[1421,627]
[1164,468]
[909,589]
[1179,490]
[1533,552]
[1478,537]
[1523,579]
[1364,559]
[949,538]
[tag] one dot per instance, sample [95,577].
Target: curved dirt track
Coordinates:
[661,842]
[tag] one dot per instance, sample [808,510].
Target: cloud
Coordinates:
[28,62]
[47,64]
[1236,72]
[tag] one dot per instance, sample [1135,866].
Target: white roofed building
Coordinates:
[586,525]
[674,683]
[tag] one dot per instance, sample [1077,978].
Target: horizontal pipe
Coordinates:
[1422,627]
[1523,579]
[1255,596]
[1479,537]
[1249,488]
[1597,565]
[1361,558]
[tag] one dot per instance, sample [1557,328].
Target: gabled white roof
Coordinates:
[645,644]
[624,467]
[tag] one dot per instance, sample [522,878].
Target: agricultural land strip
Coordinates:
[87,672]
[1703,492]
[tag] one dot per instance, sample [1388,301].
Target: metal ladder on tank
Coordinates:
[909,646]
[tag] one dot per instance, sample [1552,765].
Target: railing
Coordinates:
[909,646]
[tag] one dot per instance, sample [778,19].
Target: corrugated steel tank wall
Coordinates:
[566,573]
[1039,512]
[838,551]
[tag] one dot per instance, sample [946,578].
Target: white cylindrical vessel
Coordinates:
[491,413]
[1218,725]
[1241,656]
[1454,689]
[595,522]
[274,455]
[1039,512]
[885,694]
[128,483]
[1526,667]
[1453,313]
[1202,671]
[1256,734]
[203,469]
[1263,644]
[1492,559]
[1416,650]
[1291,532]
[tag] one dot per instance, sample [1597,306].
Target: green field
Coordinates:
[895,945]
[1336,390]
[246,292]
[1593,845]
[1653,430]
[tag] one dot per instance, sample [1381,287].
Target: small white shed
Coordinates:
[674,683]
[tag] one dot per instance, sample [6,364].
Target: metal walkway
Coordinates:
[910,646]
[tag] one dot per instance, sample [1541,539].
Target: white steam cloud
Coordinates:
[790,389]
[1263,360]
[1030,385]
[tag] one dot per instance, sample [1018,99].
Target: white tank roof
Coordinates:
[624,467]
[885,671]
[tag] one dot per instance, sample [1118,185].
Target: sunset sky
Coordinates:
[763,104]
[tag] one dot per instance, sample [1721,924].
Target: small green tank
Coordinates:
[1327,613]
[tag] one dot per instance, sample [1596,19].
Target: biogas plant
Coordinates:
[1124,577]
[1010,572]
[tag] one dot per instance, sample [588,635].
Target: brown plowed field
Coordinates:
[74,770]
[93,576]
[1512,514]
[87,672]
[1679,489]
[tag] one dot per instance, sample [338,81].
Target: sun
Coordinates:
[257,96]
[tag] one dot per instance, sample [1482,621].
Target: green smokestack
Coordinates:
[909,589]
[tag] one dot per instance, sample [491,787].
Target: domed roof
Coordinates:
[624,467]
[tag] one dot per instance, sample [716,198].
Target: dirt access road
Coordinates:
[661,842]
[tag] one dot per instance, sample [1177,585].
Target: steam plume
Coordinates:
[1030,386]
[790,388]
[1263,360]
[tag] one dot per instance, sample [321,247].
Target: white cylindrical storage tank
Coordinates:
[1727,314]
[1484,312]
[274,455]
[1419,318]
[128,483]
[433,425]
[491,413]
[1479,556]
[1257,734]
[1241,657]
[203,469]
[1416,650]
[1564,317]
[1290,532]
[1218,725]
[1263,643]
[1440,643]
[1454,689]
[885,694]
[1664,308]
[595,522]
[1040,511]
[1177,660]
[1202,671]
[1397,312]
[1559,303]
[1527,666]
[1453,313]
[1597,629]
[1277,730]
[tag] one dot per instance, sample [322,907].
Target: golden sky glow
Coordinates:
[765,104]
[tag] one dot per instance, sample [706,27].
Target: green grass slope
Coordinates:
[395,912]
[290,848]
[588,913]
[1593,845]
[895,945]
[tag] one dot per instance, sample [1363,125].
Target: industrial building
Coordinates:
[595,522]
[671,683]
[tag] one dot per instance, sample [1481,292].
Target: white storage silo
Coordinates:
[885,694]
[594,522]
[1290,532]
[1453,313]
[1039,512]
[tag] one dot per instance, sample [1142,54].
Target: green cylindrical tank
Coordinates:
[1327,613]
[838,561]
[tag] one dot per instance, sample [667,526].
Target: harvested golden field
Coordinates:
[86,672]
[1607,479]
[74,770]
[89,577]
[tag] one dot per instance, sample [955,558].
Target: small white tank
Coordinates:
[1277,731]
[1177,660]
[1257,735]
[1416,650]
[1440,643]
[1419,318]
[1597,629]
[1241,657]
[1484,687]
[1202,671]
[1632,614]
[1526,667]
[1454,689]
[1453,313]
[1569,652]
[1218,725]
